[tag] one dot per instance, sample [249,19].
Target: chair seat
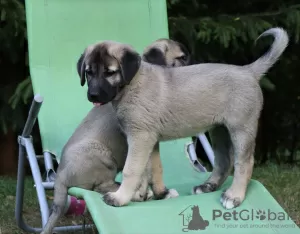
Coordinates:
[171,216]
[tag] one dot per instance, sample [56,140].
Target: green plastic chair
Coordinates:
[58,31]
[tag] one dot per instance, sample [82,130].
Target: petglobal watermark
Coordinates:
[192,219]
[249,215]
[253,225]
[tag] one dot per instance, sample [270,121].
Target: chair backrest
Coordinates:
[58,32]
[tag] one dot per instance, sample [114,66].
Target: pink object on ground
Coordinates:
[75,206]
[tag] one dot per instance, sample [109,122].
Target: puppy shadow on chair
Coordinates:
[197,222]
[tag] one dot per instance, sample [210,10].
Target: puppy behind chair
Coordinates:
[166,52]
[154,103]
[97,150]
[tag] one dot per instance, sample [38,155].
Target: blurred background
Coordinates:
[214,31]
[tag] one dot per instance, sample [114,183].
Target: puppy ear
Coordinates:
[129,64]
[81,69]
[155,56]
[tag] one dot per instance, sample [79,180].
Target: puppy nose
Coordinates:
[93,96]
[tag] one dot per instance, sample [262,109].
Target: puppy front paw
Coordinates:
[112,199]
[229,201]
[140,196]
[168,193]
[172,193]
[150,195]
[204,188]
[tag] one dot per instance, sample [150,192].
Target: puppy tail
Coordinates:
[60,198]
[265,62]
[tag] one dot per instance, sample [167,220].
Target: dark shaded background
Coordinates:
[214,31]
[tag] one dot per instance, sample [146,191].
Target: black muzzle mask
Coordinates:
[102,92]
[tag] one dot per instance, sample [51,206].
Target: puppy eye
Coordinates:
[89,72]
[183,57]
[110,72]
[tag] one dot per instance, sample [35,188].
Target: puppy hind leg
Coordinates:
[112,186]
[222,147]
[109,186]
[143,192]
[156,177]
[244,145]
[60,198]
[140,146]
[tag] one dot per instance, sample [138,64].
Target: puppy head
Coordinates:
[107,67]
[166,52]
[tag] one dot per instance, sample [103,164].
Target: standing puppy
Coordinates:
[97,150]
[171,53]
[154,103]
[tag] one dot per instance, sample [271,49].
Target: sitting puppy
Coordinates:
[154,103]
[97,150]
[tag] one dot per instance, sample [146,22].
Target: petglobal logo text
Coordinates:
[247,215]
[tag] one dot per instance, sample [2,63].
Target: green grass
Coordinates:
[283,182]
[31,212]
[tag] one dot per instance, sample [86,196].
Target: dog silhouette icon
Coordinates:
[197,222]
